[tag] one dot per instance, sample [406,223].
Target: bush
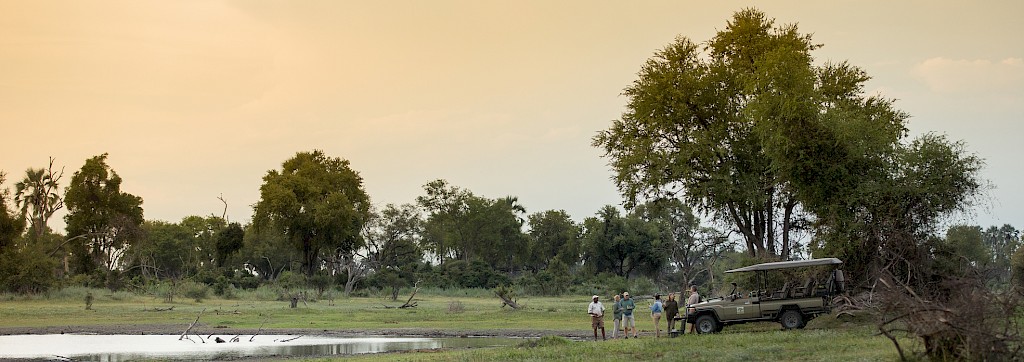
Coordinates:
[27,270]
[289,280]
[194,290]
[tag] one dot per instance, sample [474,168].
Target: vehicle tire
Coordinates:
[707,324]
[792,319]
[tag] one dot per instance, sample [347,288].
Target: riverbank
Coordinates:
[438,316]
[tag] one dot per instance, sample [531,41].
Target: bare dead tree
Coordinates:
[224,215]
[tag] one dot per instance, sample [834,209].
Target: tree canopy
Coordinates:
[101,218]
[318,202]
[751,132]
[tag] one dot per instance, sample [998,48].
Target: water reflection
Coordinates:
[116,348]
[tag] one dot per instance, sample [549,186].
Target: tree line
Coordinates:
[314,219]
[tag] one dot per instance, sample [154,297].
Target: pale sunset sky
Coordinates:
[197,99]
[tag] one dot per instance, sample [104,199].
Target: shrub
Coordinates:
[27,270]
[456,307]
[194,290]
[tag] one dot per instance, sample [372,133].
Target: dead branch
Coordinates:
[224,215]
[291,339]
[192,325]
[506,297]
[409,303]
[258,330]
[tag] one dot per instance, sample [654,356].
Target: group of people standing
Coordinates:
[623,318]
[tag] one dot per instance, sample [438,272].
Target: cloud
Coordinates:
[985,76]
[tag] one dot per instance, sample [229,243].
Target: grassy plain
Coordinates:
[469,312]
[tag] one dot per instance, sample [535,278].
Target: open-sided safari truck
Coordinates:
[797,302]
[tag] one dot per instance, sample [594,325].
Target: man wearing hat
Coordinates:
[596,311]
[628,320]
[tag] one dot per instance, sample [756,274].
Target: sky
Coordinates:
[196,100]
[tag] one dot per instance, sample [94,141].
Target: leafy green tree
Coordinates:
[11,224]
[692,250]
[203,232]
[621,245]
[1002,242]
[267,252]
[102,220]
[553,235]
[229,241]
[751,132]
[318,202]
[740,128]
[890,221]
[461,225]
[962,251]
[492,232]
[392,239]
[38,197]
[445,206]
[167,251]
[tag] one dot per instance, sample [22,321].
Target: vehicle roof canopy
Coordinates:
[786,265]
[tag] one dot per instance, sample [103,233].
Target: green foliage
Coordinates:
[26,269]
[749,131]
[622,245]
[229,241]
[101,218]
[11,224]
[38,197]
[317,201]
[553,236]
[464,226]
[698,126]
[553,280]
[268,252]
[545,341]
[193,290]
[463,274]
[320,282]
[289,280]
[1017,269]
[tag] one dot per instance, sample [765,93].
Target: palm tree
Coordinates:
[38,193]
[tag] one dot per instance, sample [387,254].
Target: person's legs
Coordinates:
[615,327]
[632,324]
[656,317]
[671,324]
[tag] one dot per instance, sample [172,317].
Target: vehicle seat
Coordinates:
[782,293]
[809,288]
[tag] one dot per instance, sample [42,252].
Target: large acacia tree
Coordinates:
[318,202]
[729,126]
[749,130]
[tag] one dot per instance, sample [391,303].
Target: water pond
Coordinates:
[115,348]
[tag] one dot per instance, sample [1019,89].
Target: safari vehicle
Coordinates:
[792,305]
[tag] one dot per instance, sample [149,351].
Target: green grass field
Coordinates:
[825,339]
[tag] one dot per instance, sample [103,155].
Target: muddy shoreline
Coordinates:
[204,330]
